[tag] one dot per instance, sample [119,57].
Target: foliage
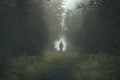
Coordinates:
[96,24]
[22,29]
[66,66]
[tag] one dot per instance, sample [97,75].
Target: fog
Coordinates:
[70,4]
[59,39]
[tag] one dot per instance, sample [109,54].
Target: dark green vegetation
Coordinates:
[24,35]
[22,29]
[63,66]
[96,25]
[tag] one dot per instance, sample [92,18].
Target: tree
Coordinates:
[52,16]
[23,29]
[98,27]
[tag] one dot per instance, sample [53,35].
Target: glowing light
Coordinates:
[57,44]
[70,4]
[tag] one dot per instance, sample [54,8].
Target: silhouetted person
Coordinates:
[61,46]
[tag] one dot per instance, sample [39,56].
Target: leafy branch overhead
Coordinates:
[98,4]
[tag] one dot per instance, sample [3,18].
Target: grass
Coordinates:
[97,66]
[64,66]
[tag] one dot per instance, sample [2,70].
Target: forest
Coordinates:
[45,40]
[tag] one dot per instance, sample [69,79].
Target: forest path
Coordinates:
[65,70]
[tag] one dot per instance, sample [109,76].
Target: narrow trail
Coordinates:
[65,70]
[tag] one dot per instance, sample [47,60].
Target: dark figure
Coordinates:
[61,46]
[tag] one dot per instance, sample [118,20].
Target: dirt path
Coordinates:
[64,72]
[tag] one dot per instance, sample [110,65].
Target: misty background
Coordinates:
[31,32]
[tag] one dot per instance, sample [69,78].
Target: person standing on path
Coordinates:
[61,46]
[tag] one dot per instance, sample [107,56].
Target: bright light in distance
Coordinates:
[70,4]
[57,44]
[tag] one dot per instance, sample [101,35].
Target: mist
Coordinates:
[59,40]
